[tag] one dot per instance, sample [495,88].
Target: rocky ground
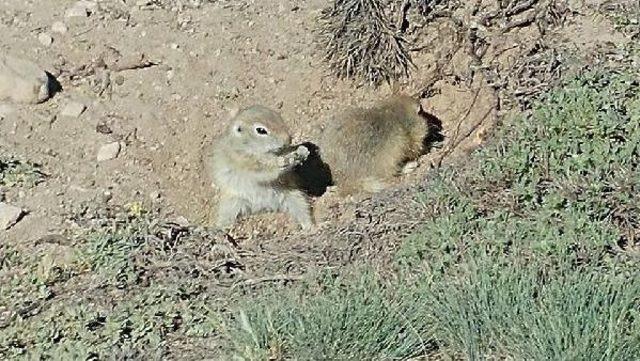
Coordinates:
[145,86]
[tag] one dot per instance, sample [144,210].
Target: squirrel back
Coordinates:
[366,147]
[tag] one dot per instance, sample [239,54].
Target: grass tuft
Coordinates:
[360,40]
[351,319]
[529,253]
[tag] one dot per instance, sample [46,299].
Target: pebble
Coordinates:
[82,8]
[45,39]
[119,80]
[73,110]
[108,151]
[23,81]
[76,12]
[6,110]
[182,221]
[59,27]
[9,215]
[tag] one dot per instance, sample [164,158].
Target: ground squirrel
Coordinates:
[365,147]
[252,165]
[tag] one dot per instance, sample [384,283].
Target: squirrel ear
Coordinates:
[233,111]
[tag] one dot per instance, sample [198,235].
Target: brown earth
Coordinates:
[209,58]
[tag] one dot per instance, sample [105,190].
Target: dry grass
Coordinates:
[361,40]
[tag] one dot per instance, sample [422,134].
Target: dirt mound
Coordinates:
[159,80]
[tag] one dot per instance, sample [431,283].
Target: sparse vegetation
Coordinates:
[14,172]
[360,40]
[483,307]
[345,319]
[525,256]
[117,296]
[625,16]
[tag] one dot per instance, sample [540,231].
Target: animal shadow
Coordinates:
[53,84]
[314,173]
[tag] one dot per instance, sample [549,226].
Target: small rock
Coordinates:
[72,110]
[76,12]
[59,27]
[182,221]
[103,128]
[22,81]
[119,80]
[6,110]
[9,215]
[108,151]
[45,39]
[82,8]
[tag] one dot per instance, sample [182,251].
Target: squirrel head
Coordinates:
[258,130]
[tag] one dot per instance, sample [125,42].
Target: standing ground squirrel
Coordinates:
[253,164]
[365,147]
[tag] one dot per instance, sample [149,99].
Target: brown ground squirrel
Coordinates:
[365,147]
[253,164]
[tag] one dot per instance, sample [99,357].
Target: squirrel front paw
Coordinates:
[294,158]
[301,153]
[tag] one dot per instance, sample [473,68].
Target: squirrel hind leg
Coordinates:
[354,188]
[229,209]
[297,206]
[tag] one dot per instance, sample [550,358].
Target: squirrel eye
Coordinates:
[261,131]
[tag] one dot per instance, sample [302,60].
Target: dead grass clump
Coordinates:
[361,41]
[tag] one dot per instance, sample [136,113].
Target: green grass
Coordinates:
[528,254]
[357,320]
[516,311]
[14,172]
[122,291]
[488,308]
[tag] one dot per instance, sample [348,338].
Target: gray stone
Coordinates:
[23,81]
[72,110]
[6,110]
[9,215]
[45,39]
[81,8]
[108,151]
[59,27]
[76,12]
